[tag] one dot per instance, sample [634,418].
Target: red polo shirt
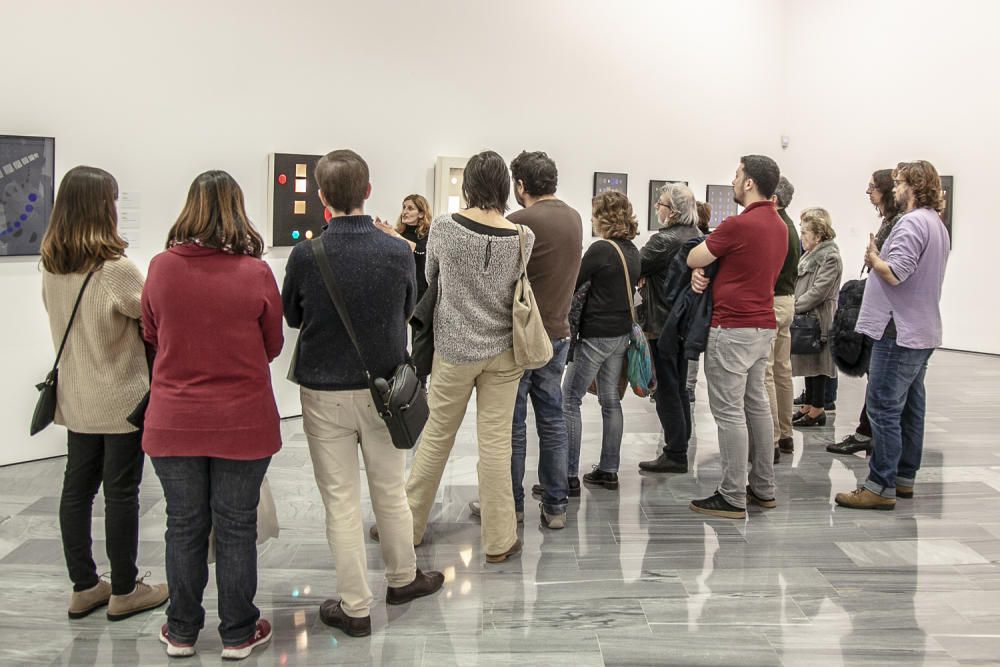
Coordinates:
[751,249]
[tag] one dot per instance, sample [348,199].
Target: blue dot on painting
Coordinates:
[24,217]
[295,234]
[32,197]
[29,208]
[17,225]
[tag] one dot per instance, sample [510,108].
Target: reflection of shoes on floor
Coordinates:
[597,477]
[175,649]
[904,491]
[332,614]
[851,445]
[664,463]
[805,421]
[143,598]
[514,550]
[716,505]
[777,455]
[786,445]
[552,521]
[475,509]
[82,603]
[423,584]
[754,499]
[261,636]
[863,499]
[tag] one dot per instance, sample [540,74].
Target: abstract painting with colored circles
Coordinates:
[27,177]
[296,212]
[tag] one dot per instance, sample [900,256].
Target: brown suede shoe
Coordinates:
[863,499]
[423,584]
[143,598]
[514,550]
[904,491]
[331,613]
[82,603]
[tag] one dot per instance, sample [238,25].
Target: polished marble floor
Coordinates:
[635,579]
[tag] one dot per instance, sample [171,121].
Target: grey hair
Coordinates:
[683,202]
[784,192]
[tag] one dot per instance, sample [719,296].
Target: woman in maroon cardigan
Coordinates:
[212,310]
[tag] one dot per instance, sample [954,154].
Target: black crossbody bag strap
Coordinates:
[72,317]
[316,245]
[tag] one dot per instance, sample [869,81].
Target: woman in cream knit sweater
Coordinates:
[103,374]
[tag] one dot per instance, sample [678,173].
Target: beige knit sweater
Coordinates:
[103,372]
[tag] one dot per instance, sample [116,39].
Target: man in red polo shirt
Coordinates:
[750,249]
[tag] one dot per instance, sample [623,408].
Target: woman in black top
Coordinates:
[413,224]
[604,331]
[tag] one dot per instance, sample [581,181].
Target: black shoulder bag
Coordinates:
[45,408]
[401,401]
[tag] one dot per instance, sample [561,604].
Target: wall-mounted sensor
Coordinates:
[785,140]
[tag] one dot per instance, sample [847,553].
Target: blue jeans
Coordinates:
[896,404]
[204,493]
[544,386]
[600,359]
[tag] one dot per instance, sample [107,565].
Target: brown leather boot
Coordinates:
[423,584]
[863,499]
[904,491]
[514,550]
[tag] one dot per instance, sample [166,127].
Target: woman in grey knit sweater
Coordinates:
[475,259]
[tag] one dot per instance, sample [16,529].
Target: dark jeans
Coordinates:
[673,406]
[864,424]
[816,391]
[832,385]
[204,493]
[544,386]
[896,406]
[116,461]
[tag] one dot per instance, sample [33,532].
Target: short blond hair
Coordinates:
[818,221]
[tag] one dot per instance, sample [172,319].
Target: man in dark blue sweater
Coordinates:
[375,275]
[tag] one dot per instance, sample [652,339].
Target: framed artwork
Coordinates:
[449,175]
[606,181]
[948,188]
[27,186]
[653,223]
[296,212]
[720,198]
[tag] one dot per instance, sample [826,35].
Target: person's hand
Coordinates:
[388,229]
[699,281]
[871,254]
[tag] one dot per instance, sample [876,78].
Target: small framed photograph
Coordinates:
[948,188]
[606,181]
[720,198]
[653,224]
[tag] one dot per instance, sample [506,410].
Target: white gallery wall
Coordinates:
[871,83]
[156,92]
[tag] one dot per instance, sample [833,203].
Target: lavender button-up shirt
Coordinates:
[917,252]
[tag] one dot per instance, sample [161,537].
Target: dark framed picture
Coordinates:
[948,188]
[606,181]
[653,222]
[296,212]
[27,187]
[720,198]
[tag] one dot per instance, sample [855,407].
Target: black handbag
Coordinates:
[401,400]
[807,335]
[422,324]
[45,408]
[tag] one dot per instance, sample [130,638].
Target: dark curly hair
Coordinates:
[924,181]
[614,217]
[536,171]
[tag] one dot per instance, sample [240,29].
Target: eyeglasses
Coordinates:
[659,204]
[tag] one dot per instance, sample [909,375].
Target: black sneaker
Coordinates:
[754,499]
[716,505]
[663,463]
[850,445]
[573,491]
[597,477]
[800,399]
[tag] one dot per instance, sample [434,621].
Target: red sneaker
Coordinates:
[260,637]
[175,649]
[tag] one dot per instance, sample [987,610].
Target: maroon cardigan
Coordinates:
[215,322]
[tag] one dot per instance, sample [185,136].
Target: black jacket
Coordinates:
[851,350]
[656,257]
[690,314]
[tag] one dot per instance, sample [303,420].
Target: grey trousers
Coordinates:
[736,366]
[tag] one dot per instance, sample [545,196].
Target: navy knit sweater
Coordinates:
[375,274]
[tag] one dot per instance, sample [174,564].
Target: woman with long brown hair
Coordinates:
[212,311]
[414,224]
[102,377]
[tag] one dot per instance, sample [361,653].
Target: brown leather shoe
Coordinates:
[423,584]
[514,550]
[143,598]
[786,445]
[904,491]
[331,613]
[863,499]
[82,603]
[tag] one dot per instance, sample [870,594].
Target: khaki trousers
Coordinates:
[336,422]
[496,381]
[780,391]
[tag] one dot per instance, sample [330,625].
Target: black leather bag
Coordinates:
[422,323]
[45,407]
[807,335]
[401,401]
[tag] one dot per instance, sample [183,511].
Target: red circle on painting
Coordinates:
[282,179]
[327,215]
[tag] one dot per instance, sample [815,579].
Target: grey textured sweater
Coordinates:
[476,271]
